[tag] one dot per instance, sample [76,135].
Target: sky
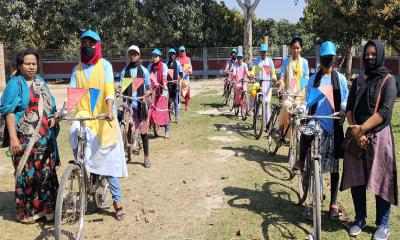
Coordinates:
[275,9]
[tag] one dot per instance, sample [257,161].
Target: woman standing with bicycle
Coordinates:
[104,151]
[174,81]
[266,74]
[29,110]
[239,72]
[369,113]
[319,103]
[294,71]
[158,111]
[187,70]
[137,108]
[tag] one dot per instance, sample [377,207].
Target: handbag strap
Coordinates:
[32,141]
[378,99]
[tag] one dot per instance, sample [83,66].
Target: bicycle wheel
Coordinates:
[243,106]
[231,99]
[123,134]
[274,134]
[304,179]
[317,194]
[294,147]
[70,204]
[227,93]
[102,193]
[258,119]
[171,110]
[136,144]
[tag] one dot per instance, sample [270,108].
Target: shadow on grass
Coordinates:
[273,202]
[272,165]
[8,213]
[244,129]
[214,105]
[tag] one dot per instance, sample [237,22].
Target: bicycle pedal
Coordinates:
[105,206]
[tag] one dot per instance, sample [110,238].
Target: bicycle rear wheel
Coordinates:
[294,147]
[274,134]
[243,106]
[258,118]
[317,194]
[70,204]
[136,144]
[102,193]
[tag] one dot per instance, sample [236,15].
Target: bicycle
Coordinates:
[75,186]
[132,142]
[310,177]
[171,103]
[275,135]
[259,112]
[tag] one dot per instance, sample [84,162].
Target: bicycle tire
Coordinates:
[227,94]
[294,147]
[317,195]
[243,106]
[70,172]
[102,192]
[231,100]
[258,118]
[171,111]
[303,179]
[123,134]
[274,143]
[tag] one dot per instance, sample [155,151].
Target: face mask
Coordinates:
[327,61]
[88,51]
[155,60]
[370,63]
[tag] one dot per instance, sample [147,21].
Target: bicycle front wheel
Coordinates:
[317,200]
[258,118]
[304,179]
[243,106]
[70,204]
[230,99]
[274,134]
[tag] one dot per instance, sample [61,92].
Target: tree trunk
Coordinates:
[349,61]
[248,37]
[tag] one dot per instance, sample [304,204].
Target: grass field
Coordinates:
[211,180]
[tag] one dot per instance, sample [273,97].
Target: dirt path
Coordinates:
[168,201]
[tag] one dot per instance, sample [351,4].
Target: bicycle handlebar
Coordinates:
[333,116]
[98,117]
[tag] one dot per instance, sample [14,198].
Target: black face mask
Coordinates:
[88,51]
[327,61]
[370,63]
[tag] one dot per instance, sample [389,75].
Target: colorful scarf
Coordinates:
[294,73]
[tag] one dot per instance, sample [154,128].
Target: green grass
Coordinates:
[261,201]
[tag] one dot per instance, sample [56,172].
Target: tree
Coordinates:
[347,22]
[248,10]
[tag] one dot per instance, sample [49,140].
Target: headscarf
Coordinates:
[96,57]
[380,71]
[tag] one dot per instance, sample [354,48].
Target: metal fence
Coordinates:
[194,53]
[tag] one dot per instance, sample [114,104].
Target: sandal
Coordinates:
[119,214]
[334,211]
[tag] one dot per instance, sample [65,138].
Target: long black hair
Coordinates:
[20,58]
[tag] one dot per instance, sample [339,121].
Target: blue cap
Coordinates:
[156,52]
[263,47]
[240,54]
[171,50]
[182,48]
[327,48]
[91,34]
[233,50]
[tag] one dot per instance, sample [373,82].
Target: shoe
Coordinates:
[356,228]
[334,211]
[147,164]
[382,233]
